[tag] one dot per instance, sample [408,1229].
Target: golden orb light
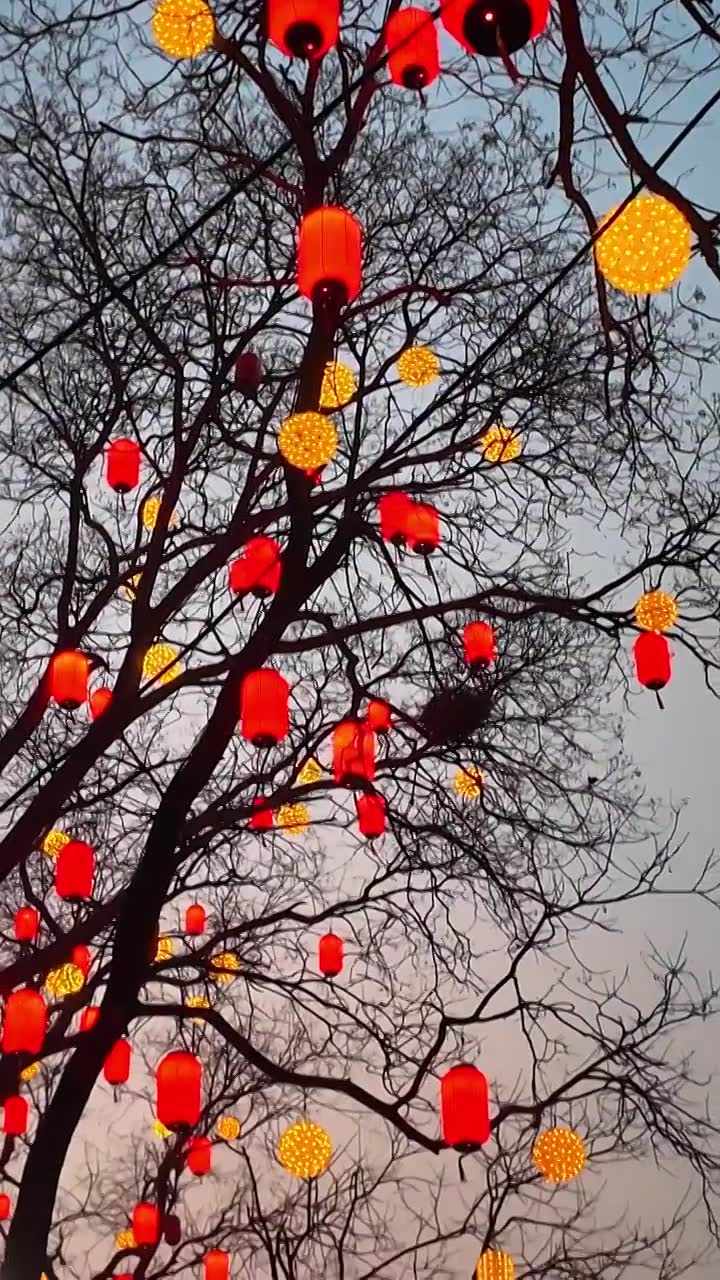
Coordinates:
[339,385]
[161,665]
[64,981]
[161,1131]
[310,772]
[646,249]
[305,1149]
[418,367]
[559,1155]
[307,441]
[30,1071]
[224,960]
[293,819]
[183,28]
[656,611]
[151,511]
[54,842]
[468,782]
[125,1240]
[500,444]
[130,587]
[164,948]
[493,1264]
[228,1127]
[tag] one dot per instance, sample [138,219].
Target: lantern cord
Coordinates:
[660,702]
[508,63]
[461,1170]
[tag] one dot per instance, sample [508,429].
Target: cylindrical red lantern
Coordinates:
[495,28]
[353,752]
[303,28]
[217,1265]
[394,510]
[75,871]
[69,679]
[330,955]
[100,700]
[178,1081]
[195,919]
[25,1022]
[379,716]
[653,664]
[89,1017]
[329,256]
[248,373]
[423,529]
[27,924]
[123,465]
[146,1223]
[479,644]
[198,1156]
[371,815]
[5,1207]
[264,717]
[117,1064]
[15,1116]
[262,816]
[464,1108]
[172,1229]
[412,45]
[81,958]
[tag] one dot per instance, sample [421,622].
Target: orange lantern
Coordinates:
[264,718]
[394,509]
[27,924]
[195,919]
[75,871]
[117,1064]
[479,644]
[100,701]
[653,665]
[146,1223]
[15,1116]
[178,1082]
[371,815]
[25,1022]
[497,27]
[123,465]
[329,256]
[5,1207]
[423,528]
[217,1265]
[378,716]
[303,28]
[262,816]
[412,48]
[69,679]
[89,1017]
[465,1109]
[199,1156]
[330,955]
[353,752]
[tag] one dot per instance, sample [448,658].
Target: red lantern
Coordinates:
[378,717]
[353,752]
[394,510]
[199,1156]
[25,1022]
[15,1116]
[117,1064]
[329,256]
[653,665]
[248,373]
[479,644]
[146,1223]
[27,924]
[465,1109]
[303,28]
[69,679]
[178,1082]
[123,465]
[258,569]
[413,48]
[423,529]
[81,958]
[195,919]
[89,1017]
[5,1207]
[330,955]
[172,1230]
[75,871]
[262,817]
[217,1265]
[100,701]
[264,718]
[371,815]
[494,27]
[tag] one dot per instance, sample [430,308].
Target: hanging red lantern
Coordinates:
[371,814]
[5,1207]
[27,924]
[217,1265]
[69,679]
[75,871]
[653,664]
[329,256]
[423,529]
[495,28]
[172,1230]
[394,510]
[146,1223]
[195,919]
[248,373]
[378,716]
[178,1081]
[330,955]
[412,46]
[198,1156]
[25,1022]
[100,700]
[479,644]
[117,1064]
[123,465]
[89,1017]
[303,28]
[262,816]
[258,569]
[353,752]
[264,718]
[15,1116]
[464,1107]
[81,958]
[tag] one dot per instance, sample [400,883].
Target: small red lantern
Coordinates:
[423,529]
[394,510]
[69,679]
[303,28]
[89,1017]
[172,1229]
[117,1064]
[81,958]
[25,1022]
[652,660]
[379,716]
[75,871]
[178,1082]
[5,1207]
[413,48]
[465,1108]
[199,1156]
[371,815]
[330,955]
[15,1116]
[258,569]
[146,1223]
[262,816]
[353,752]
[195,919]
[27,924]
[123,465]
[496,27]
[479,644]
[264,718]
[217,1265]
[329,256]
[100,700]
[248,373]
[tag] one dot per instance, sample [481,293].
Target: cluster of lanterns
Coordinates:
[655,613]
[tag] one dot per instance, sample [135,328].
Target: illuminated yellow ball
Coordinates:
[228,1127]
[646,249]
[656,611]
[310,772]
[160,664]
[64,981]
[418,367]
[305,1149]
[495,1265]
[559,1155]
[197,1002]
[224,960]
[125,1240]
[501,444]
[130,587]
[151,511]
[164,949]
[160,1131]
[307,441]
[339,385]
[468,782]
[54,842]
[30,1071]
[294,819]
[183,28]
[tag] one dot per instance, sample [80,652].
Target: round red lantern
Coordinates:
[330,955]
[195,919]
[178,1081]
[27,924]
[5,1207]
[465,1108]
[123,465]
[217,1265]
[479,644]
[248,373]
[264,717]
[69,679]
[329,256]
[198,1156]
[100,700]
[394,510]
[497,28]
[25,1022]
[262,817]
[653,665]
[353,752]
[146,1223]
[371,815]
[75,871]
[117,1064]
[423,529]
[303,28]
[15,1116]
[89,1017]
[412,45]
[379,716]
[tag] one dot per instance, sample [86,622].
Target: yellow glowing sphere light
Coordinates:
[493,1264]
[29,1072]
[164,949]
[307,441]
[310,772]
[339,385]
[293,819]
[228,1128]
[161,1131]
[183,28]
[559,1155]
[646,249]
[418,367]
[54,842]
[160,664]
[125,1240]
[305,1149]
[225,960]
[656,611]
[501,444]
[65,980]
[468,782]
[130,587]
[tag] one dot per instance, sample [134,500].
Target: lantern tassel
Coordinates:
[508,63]
[461,1170]
[660,702]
